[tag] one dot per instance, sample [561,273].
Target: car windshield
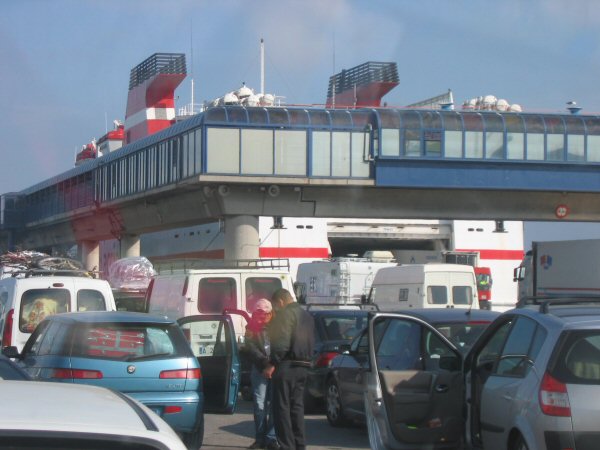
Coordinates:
[125,341]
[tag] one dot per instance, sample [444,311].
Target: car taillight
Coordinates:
[325,358]
[76,374]
[554,399]
[172,409]
[7,332]
[188,374]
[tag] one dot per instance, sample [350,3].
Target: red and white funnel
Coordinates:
[151,99]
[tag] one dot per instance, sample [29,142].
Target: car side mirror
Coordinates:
[11,352]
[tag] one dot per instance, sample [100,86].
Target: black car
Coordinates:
[334,328]
[11,371]
[402,349]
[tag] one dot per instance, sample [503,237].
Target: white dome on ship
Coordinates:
[267,100]
[230,99]
[501,105]
[244,92]
[252,100]
[515,108]
[488,101]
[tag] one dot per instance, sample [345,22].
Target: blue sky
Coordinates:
[65,63]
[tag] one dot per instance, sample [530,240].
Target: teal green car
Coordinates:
[179,369]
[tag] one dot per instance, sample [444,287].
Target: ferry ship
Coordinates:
[151,108]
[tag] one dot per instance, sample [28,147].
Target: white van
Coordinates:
[26,301]
[185,288]
[424,286]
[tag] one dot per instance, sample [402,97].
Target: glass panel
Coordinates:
[431,119]
[319,118]
[554,125]
[389,118]
[410,119]
[556,147]
[340,118]
[534,124]
[223,150]
[390,142]
[298,116]
[290,152]
[216,114]
[412,143]
[574,125]
[278,116]
[321,153]
[514,123]
[592,124]
[473,144]
[236,115]
[453,144]
[494,142]
[575,147]
[257,115]
[216,294]
[257,152]
[472,122]
[340,151]
[515,146]
[360,142]
[37,304]
[437,295]
[493,122]
[361,118]
[535,146]
[593,148]
[198,151]
[90,300]
[258,288]
[452,121]
[433,144]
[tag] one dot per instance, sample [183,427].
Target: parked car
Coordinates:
[11,371]
[407,345]
[333,329]
[53,416]
[530,381]
[179,370]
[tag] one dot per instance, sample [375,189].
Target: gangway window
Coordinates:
[223,150]
[340,151]
[555,139]
[494,136]
[515,137]
[453,135]
[257,152]
[360,154]
[290,152]
[432,133]
[473,135]
[411,134]
[390,142]
[575,139]
[321,151]
[534,126]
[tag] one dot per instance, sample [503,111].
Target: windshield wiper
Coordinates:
[141,357]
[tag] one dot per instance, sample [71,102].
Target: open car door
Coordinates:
[414,385]
[213,342]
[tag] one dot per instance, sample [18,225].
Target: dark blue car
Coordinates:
[179,370]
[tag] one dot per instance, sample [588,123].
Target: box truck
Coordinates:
[560,268]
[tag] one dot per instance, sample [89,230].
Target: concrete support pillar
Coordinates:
[241,237]
[130,246]
[90,255]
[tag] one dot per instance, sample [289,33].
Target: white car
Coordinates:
[57,415]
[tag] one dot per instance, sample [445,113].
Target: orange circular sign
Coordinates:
[561,211]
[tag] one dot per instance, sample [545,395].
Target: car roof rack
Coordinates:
[28,273]
[343,306]
[177,265]
[545,302]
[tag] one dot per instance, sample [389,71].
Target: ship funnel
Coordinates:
[151,98]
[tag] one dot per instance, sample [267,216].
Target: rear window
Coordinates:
[37,304]
[128,342]
[578,361]
[260,287]
[463,335]
[437,295]
[346,327]
[216,294]
[90,300]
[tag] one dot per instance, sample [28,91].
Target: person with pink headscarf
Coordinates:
[257,347]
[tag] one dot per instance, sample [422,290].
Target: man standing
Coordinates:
[291,334]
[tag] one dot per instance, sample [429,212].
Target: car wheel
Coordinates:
[334,411]
[520,444]
[193,440]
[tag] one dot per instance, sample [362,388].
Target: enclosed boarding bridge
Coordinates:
[329,163]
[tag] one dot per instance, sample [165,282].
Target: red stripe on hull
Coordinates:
[497,254]
[293,252]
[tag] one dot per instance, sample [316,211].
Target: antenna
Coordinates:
[192,64]
[334,89]
[262,66]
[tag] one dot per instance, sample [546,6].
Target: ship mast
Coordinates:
[262,66]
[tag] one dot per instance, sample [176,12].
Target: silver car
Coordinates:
[531,381]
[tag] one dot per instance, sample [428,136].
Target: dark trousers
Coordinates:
[288,405]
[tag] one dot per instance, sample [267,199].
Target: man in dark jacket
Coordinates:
[291,333]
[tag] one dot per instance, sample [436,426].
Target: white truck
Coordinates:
[560,268]
[338,281]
